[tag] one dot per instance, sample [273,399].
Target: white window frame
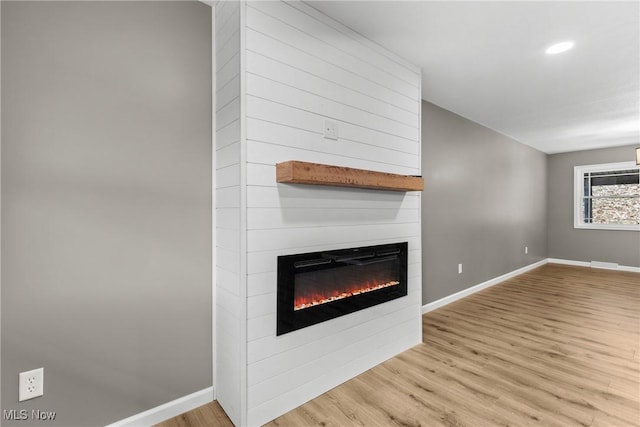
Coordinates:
[578,175]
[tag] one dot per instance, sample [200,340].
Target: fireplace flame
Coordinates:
[306,301]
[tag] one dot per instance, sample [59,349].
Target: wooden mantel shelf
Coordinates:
[295,172]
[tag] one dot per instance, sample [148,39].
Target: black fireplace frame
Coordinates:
[289,320]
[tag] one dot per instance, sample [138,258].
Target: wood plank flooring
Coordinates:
[209,415]
[557,346]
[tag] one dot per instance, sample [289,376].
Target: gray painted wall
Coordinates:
[484,201]
[566,242]
[106,205]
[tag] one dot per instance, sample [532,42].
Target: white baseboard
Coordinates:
[595,264]
[465,292]
[569,262]
[629,268]
[168,410]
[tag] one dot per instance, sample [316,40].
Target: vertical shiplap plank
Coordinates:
[243,216]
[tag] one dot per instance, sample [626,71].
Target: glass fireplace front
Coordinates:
[319,286]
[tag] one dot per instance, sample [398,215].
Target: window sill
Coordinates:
[607,227]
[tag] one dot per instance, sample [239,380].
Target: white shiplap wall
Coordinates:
[301,68]
[296,68]
[230,284]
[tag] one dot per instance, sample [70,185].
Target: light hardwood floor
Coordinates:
[557,346]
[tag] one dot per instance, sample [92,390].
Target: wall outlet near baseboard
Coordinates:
[31,384]
[526,250]
[459,268]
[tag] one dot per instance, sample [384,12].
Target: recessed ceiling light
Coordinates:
[559,48]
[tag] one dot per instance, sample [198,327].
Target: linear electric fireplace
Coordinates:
[319,286]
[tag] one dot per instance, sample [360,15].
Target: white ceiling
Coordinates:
[485,61]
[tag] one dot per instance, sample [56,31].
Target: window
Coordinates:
[607,196]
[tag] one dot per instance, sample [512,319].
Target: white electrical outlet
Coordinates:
[459,268]
[526,250]
[31,384]
[330,130]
